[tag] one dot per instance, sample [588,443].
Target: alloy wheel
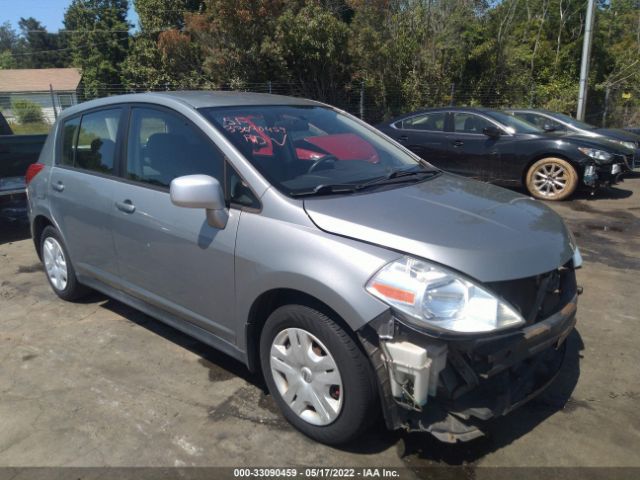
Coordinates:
[55,263]
[550,179]
[306,376]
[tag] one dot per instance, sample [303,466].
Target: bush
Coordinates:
[27,111]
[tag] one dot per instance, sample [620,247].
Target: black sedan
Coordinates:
[564,124]
[493,146]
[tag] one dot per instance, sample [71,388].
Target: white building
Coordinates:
[54,89]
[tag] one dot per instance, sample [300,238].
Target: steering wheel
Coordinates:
[320,161]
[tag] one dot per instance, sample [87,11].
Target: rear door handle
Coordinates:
[458,143]
[58,186]
[126,206]
[403,138]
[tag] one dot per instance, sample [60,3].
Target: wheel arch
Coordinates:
[39,223]
[540,156]
[266,303]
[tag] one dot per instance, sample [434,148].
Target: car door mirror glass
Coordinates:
[201,191]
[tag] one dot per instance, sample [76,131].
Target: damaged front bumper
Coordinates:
[451,386]
[596,176]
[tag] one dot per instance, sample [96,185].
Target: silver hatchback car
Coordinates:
[298,239]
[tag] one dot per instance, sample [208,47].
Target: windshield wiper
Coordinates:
[395,175]
[325,189]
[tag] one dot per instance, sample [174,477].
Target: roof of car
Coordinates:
[442,109]
[532,110]
[195,99]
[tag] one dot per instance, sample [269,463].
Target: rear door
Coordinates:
[424,134]
[81,189]
[170,256]
[477,155]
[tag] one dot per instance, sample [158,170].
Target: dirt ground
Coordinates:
[99,384]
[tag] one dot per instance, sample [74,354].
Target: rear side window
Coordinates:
[69,134]
[163,146]
[96,145]
[431,121]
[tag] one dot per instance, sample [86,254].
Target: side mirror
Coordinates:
[549,128]
[492,131]
[201,191]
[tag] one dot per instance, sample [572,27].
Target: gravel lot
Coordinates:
[100,384]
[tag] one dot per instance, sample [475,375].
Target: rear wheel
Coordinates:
[58,267]
[552,179]
[317,374]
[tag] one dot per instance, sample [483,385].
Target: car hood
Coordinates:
[619,134]
[604,143]
[486,232]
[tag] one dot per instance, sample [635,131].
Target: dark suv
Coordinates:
[493,146]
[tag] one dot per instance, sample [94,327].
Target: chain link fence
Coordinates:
[376,103]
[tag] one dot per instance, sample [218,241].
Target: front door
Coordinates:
[476,154]
[170,256]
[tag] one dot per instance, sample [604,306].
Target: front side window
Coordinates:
[513,124]
[434,122]
[163,146]
[96,144]
[470,123]
[539,121]
[302,148]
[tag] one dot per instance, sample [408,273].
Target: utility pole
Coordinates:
[586,56]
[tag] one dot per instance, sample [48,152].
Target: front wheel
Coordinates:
[319,378]
[552,179]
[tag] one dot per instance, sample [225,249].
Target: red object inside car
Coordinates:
[343,146]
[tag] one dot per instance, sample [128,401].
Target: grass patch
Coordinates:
[30,128]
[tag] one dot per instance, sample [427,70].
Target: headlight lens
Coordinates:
[600,156]
[431,296]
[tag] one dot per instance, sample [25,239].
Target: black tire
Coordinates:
[360,399]
[73,289]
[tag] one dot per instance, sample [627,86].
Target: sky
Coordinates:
[49,12]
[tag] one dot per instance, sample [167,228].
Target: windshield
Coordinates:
[514,124]
[301,148]
[572,121]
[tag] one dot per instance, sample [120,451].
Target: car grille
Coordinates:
[536,298]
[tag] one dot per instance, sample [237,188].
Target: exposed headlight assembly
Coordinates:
[600,156]
[432,297]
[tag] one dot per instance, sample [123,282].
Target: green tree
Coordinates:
[162,55]
[8,46]
[99,41]
[40,48]
[237,41]
[313,44]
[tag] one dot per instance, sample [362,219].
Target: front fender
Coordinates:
[274,254]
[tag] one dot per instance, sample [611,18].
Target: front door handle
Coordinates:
[126,206]
[58,186]
[403,138]
[458,143]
